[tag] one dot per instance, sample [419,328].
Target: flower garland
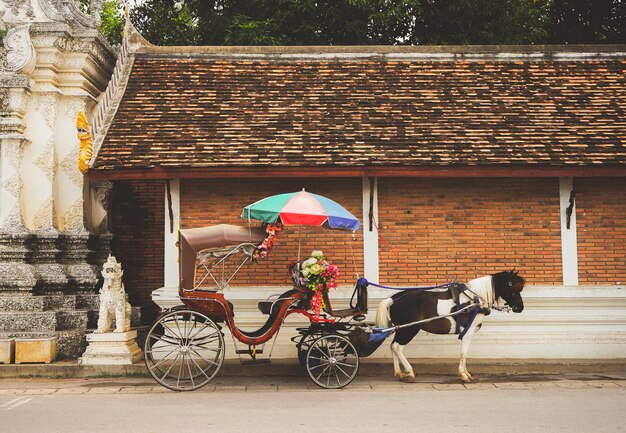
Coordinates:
[317,275]
[268,243]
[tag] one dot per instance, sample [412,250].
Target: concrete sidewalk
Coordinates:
[368,367]
[229,383]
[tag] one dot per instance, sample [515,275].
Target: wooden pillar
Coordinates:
[569,248]
[172,224]
[370,233]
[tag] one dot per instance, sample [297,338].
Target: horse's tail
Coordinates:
[383,317]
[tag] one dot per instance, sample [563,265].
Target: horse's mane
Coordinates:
[484,288]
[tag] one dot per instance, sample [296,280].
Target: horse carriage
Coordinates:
[185,347]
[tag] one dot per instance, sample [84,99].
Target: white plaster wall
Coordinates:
[38,164]
[558,322]
[68,183]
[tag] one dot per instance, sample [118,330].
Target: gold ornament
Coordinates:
[84,135]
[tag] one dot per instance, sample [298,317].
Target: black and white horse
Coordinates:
[417,305]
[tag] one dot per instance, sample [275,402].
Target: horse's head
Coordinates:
[509,286]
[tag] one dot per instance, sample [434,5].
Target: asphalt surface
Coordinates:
[535,403]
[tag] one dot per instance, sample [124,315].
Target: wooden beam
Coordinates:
[389,171]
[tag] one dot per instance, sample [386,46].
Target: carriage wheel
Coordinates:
[332,361]
[303,348]
[184,350]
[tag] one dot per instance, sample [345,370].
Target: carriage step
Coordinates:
[248,352]
[256,361]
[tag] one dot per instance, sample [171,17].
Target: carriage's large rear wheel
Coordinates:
[184,350]
[332,361]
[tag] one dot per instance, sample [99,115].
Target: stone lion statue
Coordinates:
[113,303]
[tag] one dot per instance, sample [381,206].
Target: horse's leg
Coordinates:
[401,339]
[406,374]
[465,344]
[397,371]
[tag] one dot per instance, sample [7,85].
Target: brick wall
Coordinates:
[443,229]
[214,201]
[136,221]
[601,230]
[447,229]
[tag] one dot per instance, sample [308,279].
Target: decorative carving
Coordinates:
[44,216]
[100,192]
[84,135]
[20,56]
[16,6]
[69,168]
[73,218]
[68,11]
[132,42]
[46,162]
[113,303]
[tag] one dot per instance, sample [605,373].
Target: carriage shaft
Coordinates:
[419,322]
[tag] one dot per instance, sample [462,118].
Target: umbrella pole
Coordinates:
[299,241]
[356,271]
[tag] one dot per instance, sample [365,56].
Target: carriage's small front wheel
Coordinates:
[184,350]
[332,361]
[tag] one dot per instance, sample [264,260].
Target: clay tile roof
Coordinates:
[216,111]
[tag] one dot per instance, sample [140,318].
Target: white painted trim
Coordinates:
[569,247]
[170,251]
[370,238]
[584,322]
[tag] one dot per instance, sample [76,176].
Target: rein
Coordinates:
[364,282]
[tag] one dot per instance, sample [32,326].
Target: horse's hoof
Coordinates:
[466,378]
[408,379]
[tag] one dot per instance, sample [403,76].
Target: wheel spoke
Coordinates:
[206,325]
[341,370]
[203,343]
[345,364]
[203,358]
[178,327]
[336,361]
[169,369]
[190,375]
[180,369]
[184,350]
[318,366]
[200,368]
[323,371]
[320,359]
[160,350]
[165,338]
[337,376]
[164,359]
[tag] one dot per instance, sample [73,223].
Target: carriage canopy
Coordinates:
[193,241]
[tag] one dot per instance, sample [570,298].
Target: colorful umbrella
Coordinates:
[301,208]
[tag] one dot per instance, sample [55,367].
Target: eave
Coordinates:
[379,171]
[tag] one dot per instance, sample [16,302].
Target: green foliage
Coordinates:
[248,31]
[462,22]
[346,22]
[588,21]
[112,17]
[167,22]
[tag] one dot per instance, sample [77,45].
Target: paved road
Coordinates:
[369,404]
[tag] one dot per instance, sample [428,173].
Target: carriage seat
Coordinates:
[272,307]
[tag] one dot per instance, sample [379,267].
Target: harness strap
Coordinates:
[469,325]
[363,281]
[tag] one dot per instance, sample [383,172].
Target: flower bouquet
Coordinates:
[264,248]
[316,275]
